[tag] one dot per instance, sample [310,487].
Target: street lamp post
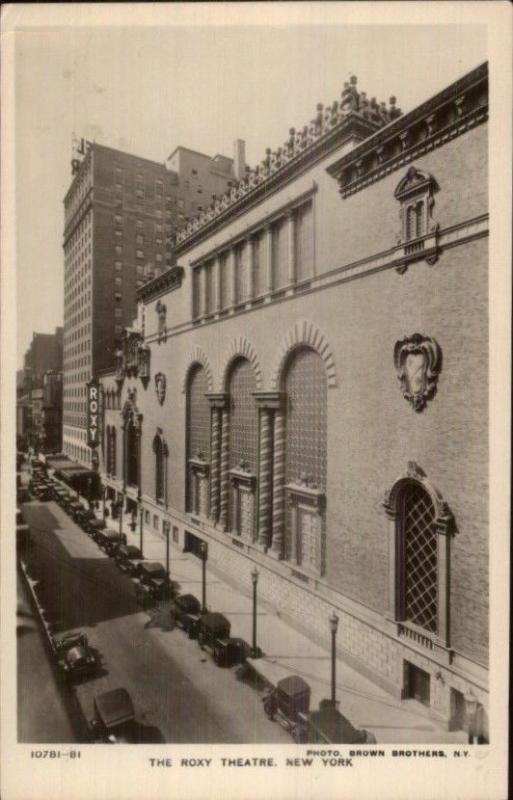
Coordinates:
[167,550]
[471,712]
[141,532]
[120,511]
[333,628]
[255,651]
[104,492]
[204,556]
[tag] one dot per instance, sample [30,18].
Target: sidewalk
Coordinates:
[286,651]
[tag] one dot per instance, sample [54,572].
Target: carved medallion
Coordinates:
[418,361]
[160,387]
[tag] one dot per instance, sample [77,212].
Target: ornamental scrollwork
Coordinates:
[418,361]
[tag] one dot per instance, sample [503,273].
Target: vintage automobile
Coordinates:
[214,635]
[186,614]
[23,537]
[125,555]
[22,494]
[85,516]
[153,576]
[328,726]
[74,656]
[94,527]
[109,540]
[114,718]
[289,698]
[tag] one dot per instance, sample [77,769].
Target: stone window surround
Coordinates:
[445,528]
[264,229]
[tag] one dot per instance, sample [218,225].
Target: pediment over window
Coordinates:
[419,231]
[415,181]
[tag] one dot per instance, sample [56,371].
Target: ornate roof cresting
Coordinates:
[327,121]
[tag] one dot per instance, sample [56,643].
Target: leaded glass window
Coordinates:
[158,447]
[198,414]
[305,387]
[306,392]
[243,416]
[418,592]
[132,458]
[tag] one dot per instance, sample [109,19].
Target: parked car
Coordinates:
[109,540]
[153,575]
[114,718]
[214,635]
[85,516]
[94,527]
[23,536]
[125,555]
[186,614]
[328,726]
[289,698]
[74,656]
[22,495]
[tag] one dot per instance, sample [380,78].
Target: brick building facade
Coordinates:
[307,389]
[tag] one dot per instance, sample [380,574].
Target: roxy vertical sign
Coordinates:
[93,413]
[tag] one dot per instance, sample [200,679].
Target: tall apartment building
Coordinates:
[121,212]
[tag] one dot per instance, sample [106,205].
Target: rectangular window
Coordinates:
[140,269]
[155,522]
[118,330]
[118,312]
[304,240]
[158,257]
[147,517]
[196,285]
[242,256]
[118,266]
[139,254]
[175,534]
[139,238]
[159,188]
[280,254]
[258,271]
[119,176]
[139,224]
[118,281]
[118,249]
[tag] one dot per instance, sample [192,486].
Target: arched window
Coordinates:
[132,454]
[243,446]
[305,387]
[113,444]
[161,453]
[417,599]
[198,440]
[420,529]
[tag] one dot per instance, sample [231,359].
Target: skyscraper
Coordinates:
[120,214]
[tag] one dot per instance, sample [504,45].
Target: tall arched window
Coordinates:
[305,387]
[420,529]
[198,441]
[161,452]
[243,447]
[132,454]
[417,600]
[111,450]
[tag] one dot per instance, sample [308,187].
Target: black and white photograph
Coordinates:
[253,378]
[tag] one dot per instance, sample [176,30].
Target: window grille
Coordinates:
[306,443]
[243,416]
[419,590]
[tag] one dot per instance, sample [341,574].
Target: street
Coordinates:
[179,694]
[44,714]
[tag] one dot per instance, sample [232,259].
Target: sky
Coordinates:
[149,89]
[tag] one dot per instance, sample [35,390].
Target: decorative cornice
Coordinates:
[462,105]
[166,282]
[353,117]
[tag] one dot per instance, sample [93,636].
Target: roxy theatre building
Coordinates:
[307,390]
